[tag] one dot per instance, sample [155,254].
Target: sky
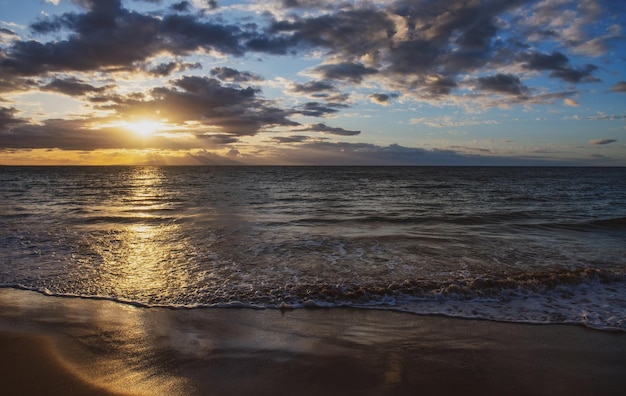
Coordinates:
[313,82]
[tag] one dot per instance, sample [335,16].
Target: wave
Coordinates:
[610,224]
[618,223]
[590,297]
[399,218]
[145,219]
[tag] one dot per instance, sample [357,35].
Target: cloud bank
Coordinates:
[480,54]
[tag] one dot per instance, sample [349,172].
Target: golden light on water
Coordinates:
[142,259]
[144,255]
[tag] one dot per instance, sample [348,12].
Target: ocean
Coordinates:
[518,244]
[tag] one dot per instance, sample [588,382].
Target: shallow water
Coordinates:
[541,245]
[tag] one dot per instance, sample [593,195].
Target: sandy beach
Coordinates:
[74,346]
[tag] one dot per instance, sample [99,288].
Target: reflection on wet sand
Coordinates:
[154,351]
[112,346]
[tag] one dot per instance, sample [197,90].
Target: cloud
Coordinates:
[468,53]
[165,69]
[542,61]
[421,49]
[342,153]
[314,88]
[320,127]
[110,36]
[229,74]
[216,140]
[450,122]
[348,71]
[382,98]
[70,135]
[10,84]
[290,139]
[7,118]
[559,66]
[72,87]
[8,32]
[620,86]
[316,109]
[206,101]
[502,83]
[183,6]
[576,75]
[570,24]
[601,142]
[350,32]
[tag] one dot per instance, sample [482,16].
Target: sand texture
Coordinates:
[68,346]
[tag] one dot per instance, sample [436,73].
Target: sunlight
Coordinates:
[145,128]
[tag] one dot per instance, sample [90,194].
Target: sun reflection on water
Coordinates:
[144,256]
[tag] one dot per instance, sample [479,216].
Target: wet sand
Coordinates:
[69,346]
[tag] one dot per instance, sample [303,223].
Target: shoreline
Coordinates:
[98,347]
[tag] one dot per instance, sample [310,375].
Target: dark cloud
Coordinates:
[542,61]
[72,135]
[424,46]
[183,6]
[584,74]
[414,56]
[7,117]
[304,3]
[325,153]
[502,83]
[559,65]
[108,35]
[269,43]
[228,74]
[448,37]
[185,33]
[331,130]
[9,83]
[316,109]
[439,85]
[619,87]
[290,139]
[320,90]
[349,71]
[165,69]
[342,153]
[72,87]
[231,109]
[421,49]
[313,87]
[7,32]
[382,98]
[218,139]
[352,33]
[601,142]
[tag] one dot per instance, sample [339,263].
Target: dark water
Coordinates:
[544,245]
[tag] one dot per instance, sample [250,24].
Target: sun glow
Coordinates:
[145,128]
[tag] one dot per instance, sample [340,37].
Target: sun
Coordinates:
[144,128]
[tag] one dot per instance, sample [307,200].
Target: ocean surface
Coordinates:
[532,245]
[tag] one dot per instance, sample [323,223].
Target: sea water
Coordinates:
[533,245]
